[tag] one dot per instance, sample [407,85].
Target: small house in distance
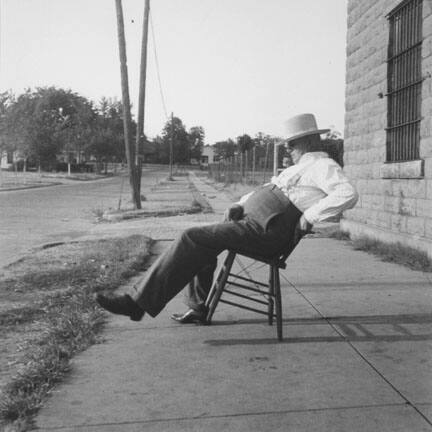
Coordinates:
[388,121]
[207,156]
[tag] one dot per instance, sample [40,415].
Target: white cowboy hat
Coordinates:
[302,125]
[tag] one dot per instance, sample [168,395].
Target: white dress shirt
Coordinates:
[317,186]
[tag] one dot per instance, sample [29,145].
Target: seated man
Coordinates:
[262,222]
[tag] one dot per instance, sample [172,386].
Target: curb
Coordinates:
[29,187]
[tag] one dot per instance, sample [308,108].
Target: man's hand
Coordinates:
[233,213]
[303,224]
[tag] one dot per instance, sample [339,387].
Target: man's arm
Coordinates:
[341,194]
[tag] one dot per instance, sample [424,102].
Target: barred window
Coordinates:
[404,82]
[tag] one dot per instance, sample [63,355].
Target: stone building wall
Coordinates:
[395,202]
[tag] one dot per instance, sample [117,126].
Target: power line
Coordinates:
[157,67]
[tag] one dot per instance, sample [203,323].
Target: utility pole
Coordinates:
[276,157]
[127,119]
[171,147]
[253,164]
[266,162]
[142,92]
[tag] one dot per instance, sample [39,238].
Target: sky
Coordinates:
[230,66]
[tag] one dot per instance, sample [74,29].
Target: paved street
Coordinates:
[31,217]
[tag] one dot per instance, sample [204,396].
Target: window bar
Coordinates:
[411,118]
[417,120]
[411,79]
[401,53]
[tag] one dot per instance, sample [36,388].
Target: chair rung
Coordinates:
[244,307]
[247,279]
[246,297]
[228,282]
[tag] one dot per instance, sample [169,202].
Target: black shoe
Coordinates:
[121,305]
[190,316]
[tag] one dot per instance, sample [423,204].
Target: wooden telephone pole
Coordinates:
[142,92]
[132,152]
[171,149]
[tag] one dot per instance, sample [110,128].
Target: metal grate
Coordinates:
[404,82]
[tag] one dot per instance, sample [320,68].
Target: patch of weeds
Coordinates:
[388,252]
[65,319]
[44,280]
[71,323]
[21,315]
[196,205]
[98,212]
[338,235]
[396,253]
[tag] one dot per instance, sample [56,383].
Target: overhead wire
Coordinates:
[157,67]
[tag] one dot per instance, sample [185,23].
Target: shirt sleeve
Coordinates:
[341,194]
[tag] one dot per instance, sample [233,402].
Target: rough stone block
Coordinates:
[407,207]
[409,188]
[377,202]
[416,226]
[428,228]
[367,201]
[428,189]
[385,186]
[376,169]
[426,147]
[372,218]
[362,186]
[413,188]
[427,10]
[428,168]
[424,208]
[427,20]
[398,223]
[374,187]
[402,170]
[425,125]
[383,219]
[392,204]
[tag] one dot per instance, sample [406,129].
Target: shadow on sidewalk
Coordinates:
[392,328]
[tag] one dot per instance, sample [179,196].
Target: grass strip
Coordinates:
[64,319]
[389,252]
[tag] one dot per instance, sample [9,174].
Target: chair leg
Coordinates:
[270,309]
[278,302]
[218,286]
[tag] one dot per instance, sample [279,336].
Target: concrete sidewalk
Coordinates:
[357,356]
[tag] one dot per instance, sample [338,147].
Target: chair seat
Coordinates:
[277,260]
[272,292]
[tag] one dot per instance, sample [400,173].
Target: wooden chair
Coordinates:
[270,292]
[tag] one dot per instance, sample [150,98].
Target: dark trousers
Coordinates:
[194,255]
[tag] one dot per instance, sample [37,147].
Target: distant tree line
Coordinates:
[259,150]
[49,127]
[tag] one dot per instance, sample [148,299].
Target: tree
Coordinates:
[225,149]
[41,124]
[196,142]
[105,137]
[244,143]
[181,149]
[333,144]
